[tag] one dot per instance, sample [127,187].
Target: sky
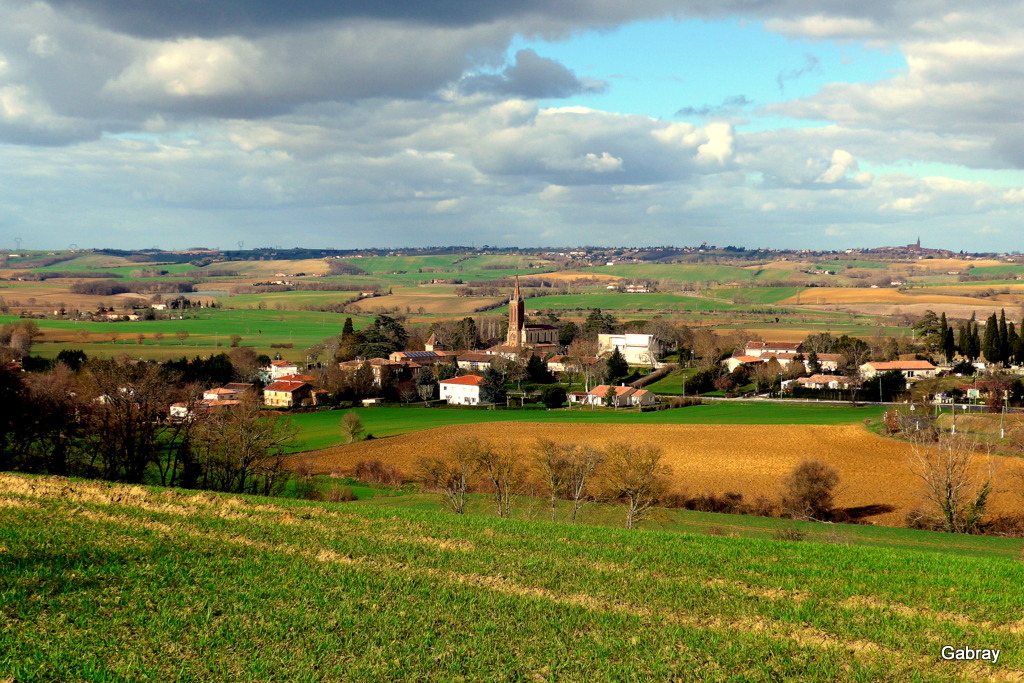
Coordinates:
[815,124]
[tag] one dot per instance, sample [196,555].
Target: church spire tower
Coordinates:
[516,317]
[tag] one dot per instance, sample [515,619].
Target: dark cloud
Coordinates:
[532,77]
[728,104]
[207,18]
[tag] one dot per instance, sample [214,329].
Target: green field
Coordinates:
[618,301]
[257,328]
[320,429]
[675,272]
[118,583]
[756,295]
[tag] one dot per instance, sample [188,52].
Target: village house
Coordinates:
[824,382]
[287,393]
[734,362]
[562,364]
[475,362]
[463,390]
[637,349]
[623,396]
[381,367]
[911,369]
[279,368]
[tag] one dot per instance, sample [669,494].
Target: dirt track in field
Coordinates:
[749,459]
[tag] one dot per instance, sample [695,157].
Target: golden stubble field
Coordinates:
[749,459]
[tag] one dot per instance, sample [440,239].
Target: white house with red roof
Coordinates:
[279,368]
[911,369]
[622,396]
[463,390]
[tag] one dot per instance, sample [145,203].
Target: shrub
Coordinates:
[808,490]
[376,472]
[339,494]
[789,534]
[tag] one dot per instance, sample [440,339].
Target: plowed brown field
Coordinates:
[752,460]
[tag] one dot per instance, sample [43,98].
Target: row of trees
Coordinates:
[109,420]
[580,474]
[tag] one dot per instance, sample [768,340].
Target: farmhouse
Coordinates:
[279,368]
[287,393]
[824,382]
[475,362]
[623,396]
[911,369]
[735,361]
[422,357]
[463,390]
[382,369]
[768,349]
[569,363]
[637,349]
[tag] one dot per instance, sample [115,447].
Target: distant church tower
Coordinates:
[516,318]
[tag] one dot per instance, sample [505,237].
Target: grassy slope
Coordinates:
[117,583]
[319,430]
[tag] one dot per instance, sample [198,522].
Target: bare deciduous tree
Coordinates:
[956,485]
[452,474]
[502,465]
[583,464]
[636,474]
[243,452]
[553,470]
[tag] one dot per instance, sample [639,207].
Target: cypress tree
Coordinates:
[990,345]
[1012,342]
[974,351]
[963,340]
[948,345]
[1004,339]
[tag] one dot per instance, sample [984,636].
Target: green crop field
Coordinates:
[120,583]
[320,429]
[757,295]
[997,270]
[257,328]
[617,301]
[677,272]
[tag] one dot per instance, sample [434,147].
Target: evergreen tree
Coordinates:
[617,367]
[974,352]
[1012,342]
[963,340]
[990,344]
[492,389]
[347,330]
[1004,338]
[537,372]
[949,345]
[814,365]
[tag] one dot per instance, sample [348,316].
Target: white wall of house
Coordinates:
[460,394]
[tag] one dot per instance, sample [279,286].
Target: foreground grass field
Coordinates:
[104,582]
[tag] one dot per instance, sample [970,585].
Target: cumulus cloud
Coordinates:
[534,77]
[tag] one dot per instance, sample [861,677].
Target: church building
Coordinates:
[520,335]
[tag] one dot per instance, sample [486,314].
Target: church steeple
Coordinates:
[516,317]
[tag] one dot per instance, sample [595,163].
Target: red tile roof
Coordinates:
[286,385]
[471,380]
[901,365]
[283,363]
[602,390]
